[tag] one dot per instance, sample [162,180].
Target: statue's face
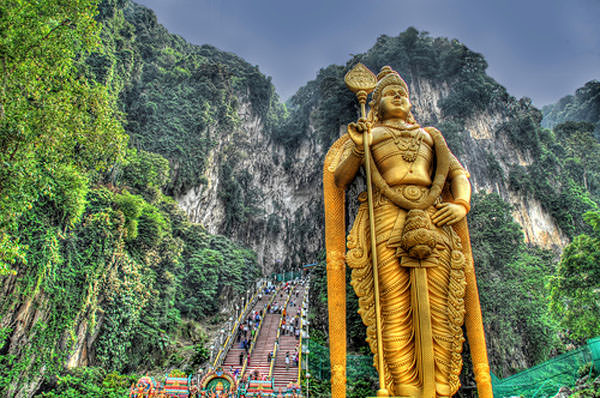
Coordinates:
[394,103]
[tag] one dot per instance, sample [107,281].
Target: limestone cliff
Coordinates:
[287,225]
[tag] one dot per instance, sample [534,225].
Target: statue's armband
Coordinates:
[456,168]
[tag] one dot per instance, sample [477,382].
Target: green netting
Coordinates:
[538,382]
[495,379]
[357,366]
[544,380]
[594,345]
[319,361]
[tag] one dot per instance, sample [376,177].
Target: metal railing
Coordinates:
[287,276]
[302,313]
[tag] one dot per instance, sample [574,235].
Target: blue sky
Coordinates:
[539,49]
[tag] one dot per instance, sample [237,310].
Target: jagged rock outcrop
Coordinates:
[489,156]
[283,195]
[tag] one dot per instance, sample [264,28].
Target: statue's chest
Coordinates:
[401,146]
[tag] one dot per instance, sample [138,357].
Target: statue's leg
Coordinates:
[398,330]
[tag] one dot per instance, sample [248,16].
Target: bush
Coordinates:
[131,206]
[90,382]
[151,227]
[68,194]
[144,170]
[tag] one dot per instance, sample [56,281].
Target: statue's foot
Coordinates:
[442,390]
[408,391]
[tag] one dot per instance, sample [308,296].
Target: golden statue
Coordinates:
[418,287]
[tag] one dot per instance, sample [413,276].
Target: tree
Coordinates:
[511,280]
[575,294]
[51,113]
[201,282]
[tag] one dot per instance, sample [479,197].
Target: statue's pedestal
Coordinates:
[383,394]
[416,394]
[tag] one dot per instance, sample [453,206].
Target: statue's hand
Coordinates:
[356,131]
[448,213]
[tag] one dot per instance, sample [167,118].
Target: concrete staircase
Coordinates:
[266,341]
[264,344]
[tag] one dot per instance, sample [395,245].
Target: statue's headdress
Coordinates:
[386,77]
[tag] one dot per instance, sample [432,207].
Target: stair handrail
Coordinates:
[303,312]
[227,345]
[276,345]
[252,344]
[300,342]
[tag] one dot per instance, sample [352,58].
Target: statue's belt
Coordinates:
[416,240]
[412,193]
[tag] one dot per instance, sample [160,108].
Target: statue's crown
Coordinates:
[387,76]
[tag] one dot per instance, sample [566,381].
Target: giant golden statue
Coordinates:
[418,287]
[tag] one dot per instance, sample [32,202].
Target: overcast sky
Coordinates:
[542,49]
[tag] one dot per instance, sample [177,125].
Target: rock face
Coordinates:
[259,179]
[287,228]
[487,149]
[284,228]
[27,317]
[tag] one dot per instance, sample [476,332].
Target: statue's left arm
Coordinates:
[451,212]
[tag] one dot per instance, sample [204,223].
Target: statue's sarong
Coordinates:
[398,287]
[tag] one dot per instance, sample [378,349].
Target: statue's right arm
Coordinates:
[349,165]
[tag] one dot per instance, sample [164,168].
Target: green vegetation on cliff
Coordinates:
[511,278]
[125,272]
[177,97]
[564,175]
[574,296]
[99,266]
[55,123]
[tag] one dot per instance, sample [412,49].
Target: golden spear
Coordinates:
[361,81]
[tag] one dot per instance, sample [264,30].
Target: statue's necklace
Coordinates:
[410,149]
